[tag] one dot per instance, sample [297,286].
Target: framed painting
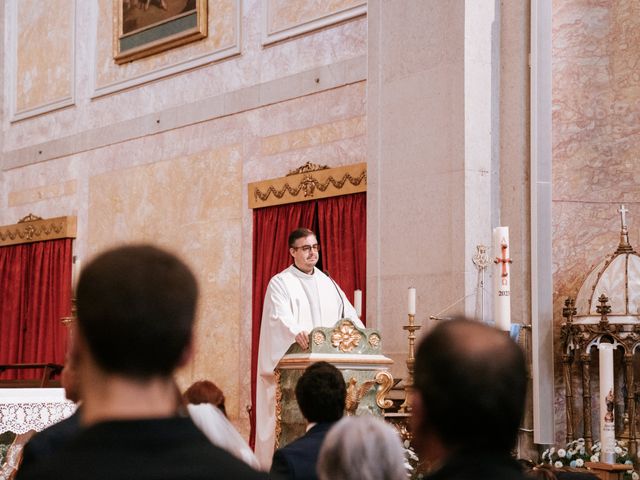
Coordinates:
[146,27]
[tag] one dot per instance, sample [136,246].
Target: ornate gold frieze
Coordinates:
[310,181]
[36,229]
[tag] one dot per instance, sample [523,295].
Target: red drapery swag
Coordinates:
[340,223]
[35,293]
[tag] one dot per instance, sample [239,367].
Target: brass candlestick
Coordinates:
[411,360]
[67,321]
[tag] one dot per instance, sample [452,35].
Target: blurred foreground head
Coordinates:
[136,307]
[470,386]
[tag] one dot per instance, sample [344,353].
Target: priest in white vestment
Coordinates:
[297,300]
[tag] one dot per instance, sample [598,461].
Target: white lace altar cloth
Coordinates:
[24,409]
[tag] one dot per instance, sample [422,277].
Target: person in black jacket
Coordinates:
[136,307]
[55,438]
[470,385]
[320,393]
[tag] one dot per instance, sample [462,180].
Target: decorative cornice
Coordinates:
[310,181]
[307,168]
[36,229]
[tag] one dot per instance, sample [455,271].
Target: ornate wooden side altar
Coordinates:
[356,353]
[606,310]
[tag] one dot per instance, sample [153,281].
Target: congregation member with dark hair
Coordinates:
[320,393]
[46,443]
[136,307]
[469,395]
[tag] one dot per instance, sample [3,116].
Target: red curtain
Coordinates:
[35,293]
[271,228]
[342,230]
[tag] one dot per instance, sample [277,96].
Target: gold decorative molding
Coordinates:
[355,394]
[345,337]
[309,182]
[385,380]
[307,168]
[304,360]
[30,218]
[318,337]
[36,229]
[278,409]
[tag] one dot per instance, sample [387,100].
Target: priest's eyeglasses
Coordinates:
[308,248]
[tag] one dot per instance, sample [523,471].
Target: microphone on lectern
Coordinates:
[326,272]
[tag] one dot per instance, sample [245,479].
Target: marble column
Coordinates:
[433,170]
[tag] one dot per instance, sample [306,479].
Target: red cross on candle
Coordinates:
[503,260]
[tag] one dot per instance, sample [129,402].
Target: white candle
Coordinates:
[75,271]
[412,301]
[607,404]
[501,279]
[357,302]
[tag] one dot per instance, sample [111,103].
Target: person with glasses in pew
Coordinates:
[298,299]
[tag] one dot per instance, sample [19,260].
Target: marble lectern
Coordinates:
[358,355]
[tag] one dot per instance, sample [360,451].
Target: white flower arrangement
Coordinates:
[575,455]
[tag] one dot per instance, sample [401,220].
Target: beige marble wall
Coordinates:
[186,190]
[416,165]
[44,52]
[159,83]
[284,14]
[596,139]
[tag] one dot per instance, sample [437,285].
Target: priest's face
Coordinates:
[305,253]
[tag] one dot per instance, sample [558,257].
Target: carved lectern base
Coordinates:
[356,353]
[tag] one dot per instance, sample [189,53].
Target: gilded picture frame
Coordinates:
[146,27]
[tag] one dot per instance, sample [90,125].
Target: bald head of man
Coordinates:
[470,386]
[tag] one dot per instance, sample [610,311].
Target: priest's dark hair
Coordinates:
[472,382]
[321,393]
[136,307]
[299,233]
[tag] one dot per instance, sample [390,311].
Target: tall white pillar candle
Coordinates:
[357,302]
[607,404]
[501,279]
[412,301]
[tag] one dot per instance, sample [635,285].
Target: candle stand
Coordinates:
[411,360]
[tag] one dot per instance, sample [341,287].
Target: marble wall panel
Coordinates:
[255,66]
[191,205]
[44,53]
[185,189]
[285,14]
[284,18]
[31,195]
[596,137]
